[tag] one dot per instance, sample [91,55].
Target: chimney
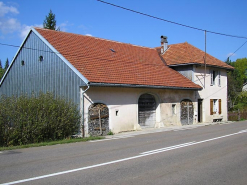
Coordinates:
[163,44]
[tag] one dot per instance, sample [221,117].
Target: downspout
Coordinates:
[82,96]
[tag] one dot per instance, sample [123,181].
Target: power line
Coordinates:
[238,49]
[86,57]
[82,56]
[199,29]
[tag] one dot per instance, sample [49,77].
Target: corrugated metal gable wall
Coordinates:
[51,74]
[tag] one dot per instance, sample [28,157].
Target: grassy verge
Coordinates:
[64,141]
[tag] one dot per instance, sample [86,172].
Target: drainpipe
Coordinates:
[82,96]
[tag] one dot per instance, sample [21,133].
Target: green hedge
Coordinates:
[25,120]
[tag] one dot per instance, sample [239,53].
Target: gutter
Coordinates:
[141,86]
[82,108]
[197,64]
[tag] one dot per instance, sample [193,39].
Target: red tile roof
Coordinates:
[185,53]
[105,61]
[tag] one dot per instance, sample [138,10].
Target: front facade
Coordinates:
[211,76]
[134,108]
[212,99]
[117,87]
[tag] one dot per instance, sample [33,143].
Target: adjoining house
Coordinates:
[190,62]
[128,87]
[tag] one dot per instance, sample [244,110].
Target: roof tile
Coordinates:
[129,64]
[185,53]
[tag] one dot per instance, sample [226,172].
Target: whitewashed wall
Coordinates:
[125,101]
[211,92]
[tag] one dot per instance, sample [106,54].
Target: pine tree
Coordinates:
[1,64]
[6,64]
[50,21]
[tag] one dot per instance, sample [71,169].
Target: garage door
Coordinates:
[147,110]
[187,112]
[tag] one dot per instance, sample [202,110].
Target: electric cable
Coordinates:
[228,35]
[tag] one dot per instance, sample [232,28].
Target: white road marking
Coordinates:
[124,159]
[168,148]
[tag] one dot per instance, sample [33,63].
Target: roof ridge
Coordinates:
[96,38]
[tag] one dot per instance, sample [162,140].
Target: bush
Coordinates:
[25,120]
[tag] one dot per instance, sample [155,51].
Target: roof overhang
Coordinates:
[197,64]
[140,86]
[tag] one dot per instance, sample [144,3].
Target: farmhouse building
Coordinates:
[118,86]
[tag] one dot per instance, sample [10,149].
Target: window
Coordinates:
[173,109]
[219,83]
[215,75]
[41,58]
[215,106]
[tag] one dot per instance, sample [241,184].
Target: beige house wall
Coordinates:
[211,92]
[125,101]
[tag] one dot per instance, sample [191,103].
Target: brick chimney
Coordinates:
[163,44]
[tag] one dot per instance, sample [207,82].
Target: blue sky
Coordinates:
[108,22]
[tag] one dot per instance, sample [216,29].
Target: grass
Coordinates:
[64,141]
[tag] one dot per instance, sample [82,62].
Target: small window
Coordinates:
[41,58]
[22,63]
[173,109]
[215,106]
[213,76]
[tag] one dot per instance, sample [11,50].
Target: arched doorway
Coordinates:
[147,110]
[187,112]
[98,120]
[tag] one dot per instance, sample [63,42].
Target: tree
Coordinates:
[241,66]
[2,71]
[236,79]
[50,21]
[6,64]
[228,61]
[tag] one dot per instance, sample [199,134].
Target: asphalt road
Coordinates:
[215,154]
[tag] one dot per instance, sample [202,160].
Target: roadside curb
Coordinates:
[163,129]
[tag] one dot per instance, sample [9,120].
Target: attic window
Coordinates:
[22,63]
[41,58]
[112,50]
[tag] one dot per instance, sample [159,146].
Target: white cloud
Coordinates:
[231,54]
[63,26]
[25,29]
[9,25]
[85,30]
[7,9]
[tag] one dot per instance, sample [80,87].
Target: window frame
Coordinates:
[215,106]
[215,77]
